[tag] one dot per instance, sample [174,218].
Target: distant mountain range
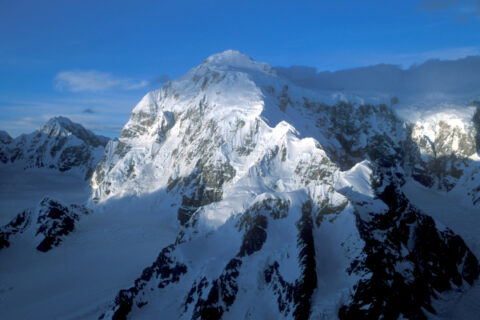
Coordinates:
[60,144]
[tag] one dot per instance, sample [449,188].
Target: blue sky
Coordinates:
[93,60]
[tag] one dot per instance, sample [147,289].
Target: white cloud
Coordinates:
[92,80]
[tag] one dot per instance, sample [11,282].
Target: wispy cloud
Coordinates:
[92,80]
[463,10]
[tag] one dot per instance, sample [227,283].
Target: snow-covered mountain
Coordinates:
[302,190]
[60,144]
[263,199]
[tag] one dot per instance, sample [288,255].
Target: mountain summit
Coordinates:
[235,59]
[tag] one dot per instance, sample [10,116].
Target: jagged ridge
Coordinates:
[60,144]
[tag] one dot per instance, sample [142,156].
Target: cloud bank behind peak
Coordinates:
[448,77]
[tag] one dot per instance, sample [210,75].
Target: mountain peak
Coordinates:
[58,126]
[59,144]
[229,57]
[5,137]
[62,126]
[237,60]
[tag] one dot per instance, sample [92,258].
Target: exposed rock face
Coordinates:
[50,222]
[435,151]
[444,150]
[5,139]
[16,226]
[202,187]
[164,271]
[60,144]
[410,261]
[476,125]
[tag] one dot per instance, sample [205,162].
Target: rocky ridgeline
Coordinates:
[60,144]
